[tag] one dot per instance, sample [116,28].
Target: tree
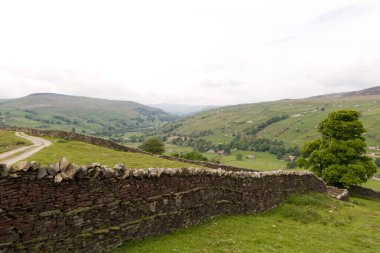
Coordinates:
[291,165]
[339,156]
[193,155]
[239,156]
[154,146]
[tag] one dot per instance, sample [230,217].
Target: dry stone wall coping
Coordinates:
[65,170]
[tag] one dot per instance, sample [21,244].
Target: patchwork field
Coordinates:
[300,126]
[309,223]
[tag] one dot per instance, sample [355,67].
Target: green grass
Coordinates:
[83,153]
[9,141]
[170,148]
[309,223]
[372,184]
[263,160]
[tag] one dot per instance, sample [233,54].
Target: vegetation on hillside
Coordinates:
[339,156]
[193,155]
[154,146]
[308,223]
[86,115]
[221,125]
[254,130]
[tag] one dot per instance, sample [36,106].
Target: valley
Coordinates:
[262,136]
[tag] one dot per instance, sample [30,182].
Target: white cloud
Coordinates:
[195,52]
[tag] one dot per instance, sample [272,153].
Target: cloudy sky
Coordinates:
[189,52]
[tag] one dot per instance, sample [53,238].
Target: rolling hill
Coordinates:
[183,110]
[298,118]
[92,115]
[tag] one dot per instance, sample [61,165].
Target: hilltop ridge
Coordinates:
[65,112]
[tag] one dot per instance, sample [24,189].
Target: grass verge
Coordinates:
[9,141]
[308,223]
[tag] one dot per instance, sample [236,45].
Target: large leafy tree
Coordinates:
[339,156]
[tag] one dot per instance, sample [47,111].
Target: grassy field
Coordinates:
[308,223]
[372,184]
[170,148]
[9,141]
[262,161]
[83,153]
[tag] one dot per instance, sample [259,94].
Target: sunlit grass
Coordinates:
[83,153]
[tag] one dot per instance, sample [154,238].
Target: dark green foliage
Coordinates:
[377,161]
[154,146]
[339,156]
[291,165]
[239,156]
[275,147]
[215,160]
[195,156]
[263,125]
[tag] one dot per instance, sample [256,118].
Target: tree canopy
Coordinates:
[339,156]
[154,146]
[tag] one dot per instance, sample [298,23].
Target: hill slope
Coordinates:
[101,116]
[182,110]
[303,115]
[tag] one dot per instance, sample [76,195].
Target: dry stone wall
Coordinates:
[66,208]
[365,192]
[110,144]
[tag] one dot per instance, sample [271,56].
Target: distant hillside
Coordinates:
[182,110]
[303,115]
[355,95]
[92,115]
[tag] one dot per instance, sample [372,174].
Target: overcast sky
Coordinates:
[189,52]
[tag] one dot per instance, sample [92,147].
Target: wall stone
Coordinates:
[113,145]
[95,209]
[365,192]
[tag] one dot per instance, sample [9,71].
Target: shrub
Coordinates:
[154,146]
[291,165]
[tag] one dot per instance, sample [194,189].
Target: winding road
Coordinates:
[22,153]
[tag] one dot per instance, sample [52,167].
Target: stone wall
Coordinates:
[113,145]
[94,209]
[364,192]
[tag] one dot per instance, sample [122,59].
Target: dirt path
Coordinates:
[14,156]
